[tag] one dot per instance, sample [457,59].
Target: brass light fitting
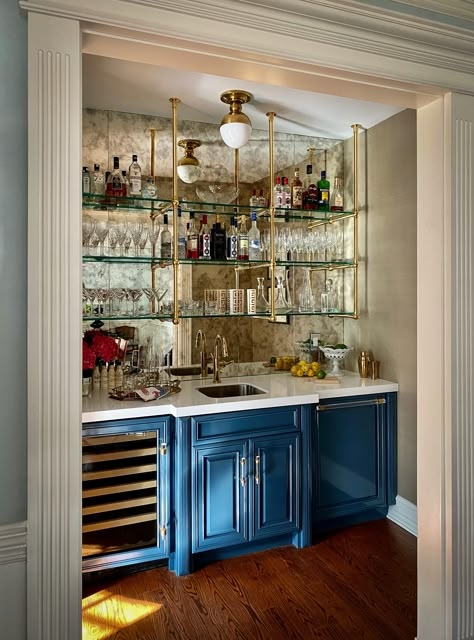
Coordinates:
[188,168]
[236,126]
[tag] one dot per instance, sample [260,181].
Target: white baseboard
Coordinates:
[13,542]
[404,513]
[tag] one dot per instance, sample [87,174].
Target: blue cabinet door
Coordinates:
[275,490]
[350,461]
[220,477]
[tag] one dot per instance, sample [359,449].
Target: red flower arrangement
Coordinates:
[97,346]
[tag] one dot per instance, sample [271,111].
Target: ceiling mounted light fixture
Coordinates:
[236,126]
[188,166]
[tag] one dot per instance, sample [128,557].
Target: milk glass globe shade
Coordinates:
[236,134]
[189,173]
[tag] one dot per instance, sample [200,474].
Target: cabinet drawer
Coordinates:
[245,423]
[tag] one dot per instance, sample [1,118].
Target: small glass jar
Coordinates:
[329,299]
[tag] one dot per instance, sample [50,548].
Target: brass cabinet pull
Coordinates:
[242,471]
[164,448]
[350,405]
[163,532]
[257,469]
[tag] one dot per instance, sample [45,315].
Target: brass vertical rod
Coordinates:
[174,104]
[152,215]
[355,129]
[236,174]
[271,118]
[152,152]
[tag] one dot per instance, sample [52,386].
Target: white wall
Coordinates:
[388,293]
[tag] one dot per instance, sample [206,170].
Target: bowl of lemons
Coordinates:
[305,369]
[335,355]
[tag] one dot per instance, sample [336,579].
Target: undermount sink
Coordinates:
[230,390]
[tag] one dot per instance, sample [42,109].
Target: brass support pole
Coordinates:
[271,118]
[174,104]
[355,129]
[236,174]
[152,214]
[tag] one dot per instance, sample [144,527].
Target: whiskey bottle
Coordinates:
[297,191]
[286,192]
[323,193]
[218,241]
[135,177]
[98,182]
[232,239]
[115,184]
[243,241]
[337,198]
[192,239]
[204,240]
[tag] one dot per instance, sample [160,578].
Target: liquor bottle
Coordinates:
[126,183]
[278,194]
[243,241]
[297,191]
[86,180]
[262,201]
[150,190]
[329,298]
[286,193]
[192,239]
[253,202]
[98,181]
[115,185]
[337,197]
[165,239]
[135,177]
[204,240]
[310,196]
[181,236]
[218,241]
[323,193]
[254,239]
[232,239]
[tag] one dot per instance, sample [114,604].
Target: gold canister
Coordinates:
[364,363]
[375,369]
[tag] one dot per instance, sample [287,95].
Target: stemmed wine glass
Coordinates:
[113,239]
[119,294]
[88,229]
[121,231]
[143,241]
[135,295]
[137,231]
[150,294]
[153,235]
[102,230]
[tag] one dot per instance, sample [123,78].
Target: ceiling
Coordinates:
[135,87]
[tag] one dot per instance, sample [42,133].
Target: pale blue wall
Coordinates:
[13,261]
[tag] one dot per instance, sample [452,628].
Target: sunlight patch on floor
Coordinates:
[104,613]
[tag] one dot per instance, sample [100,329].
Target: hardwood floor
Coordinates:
[357,583]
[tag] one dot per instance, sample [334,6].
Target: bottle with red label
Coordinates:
[192,239]
[204,240]
[297,191]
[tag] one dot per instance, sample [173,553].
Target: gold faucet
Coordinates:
[201,338]
[220,340]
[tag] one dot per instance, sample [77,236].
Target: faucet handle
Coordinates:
[225,350]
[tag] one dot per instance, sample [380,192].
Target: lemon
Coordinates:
[294,369]
[315,366]
[301,363]
[310,373]
[321,374]
[300,373]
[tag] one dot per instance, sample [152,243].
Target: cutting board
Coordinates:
[326,380]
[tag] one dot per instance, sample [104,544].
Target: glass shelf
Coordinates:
[147,205]
[336,264]
[186,316]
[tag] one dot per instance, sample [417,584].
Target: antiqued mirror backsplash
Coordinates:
[252,341]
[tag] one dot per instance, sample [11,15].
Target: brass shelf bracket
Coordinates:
[271,118]
[175,203]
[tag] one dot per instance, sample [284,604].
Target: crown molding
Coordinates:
[461,9]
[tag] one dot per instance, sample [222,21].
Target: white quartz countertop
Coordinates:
[280,390]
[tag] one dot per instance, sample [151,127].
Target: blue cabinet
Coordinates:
[245,488]
[125,492]
[354,459]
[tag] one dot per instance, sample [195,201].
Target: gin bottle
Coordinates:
[165,238]
[86,180]
[135,177]
[254,239]
[98,181]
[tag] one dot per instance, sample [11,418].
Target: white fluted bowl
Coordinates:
[335,357]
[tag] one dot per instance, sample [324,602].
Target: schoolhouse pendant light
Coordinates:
[236,126]
[188,166]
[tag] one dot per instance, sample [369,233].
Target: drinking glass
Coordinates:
[153,235]
[88,229]
[136,232]
[150,294]
[121,231]
[102,230]
[143,241]
[119,294]
[127,242]
[113,239]
[135,295]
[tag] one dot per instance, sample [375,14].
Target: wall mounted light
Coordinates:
[188,166]
[236,126]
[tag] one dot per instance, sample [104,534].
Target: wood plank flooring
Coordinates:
[357,584]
